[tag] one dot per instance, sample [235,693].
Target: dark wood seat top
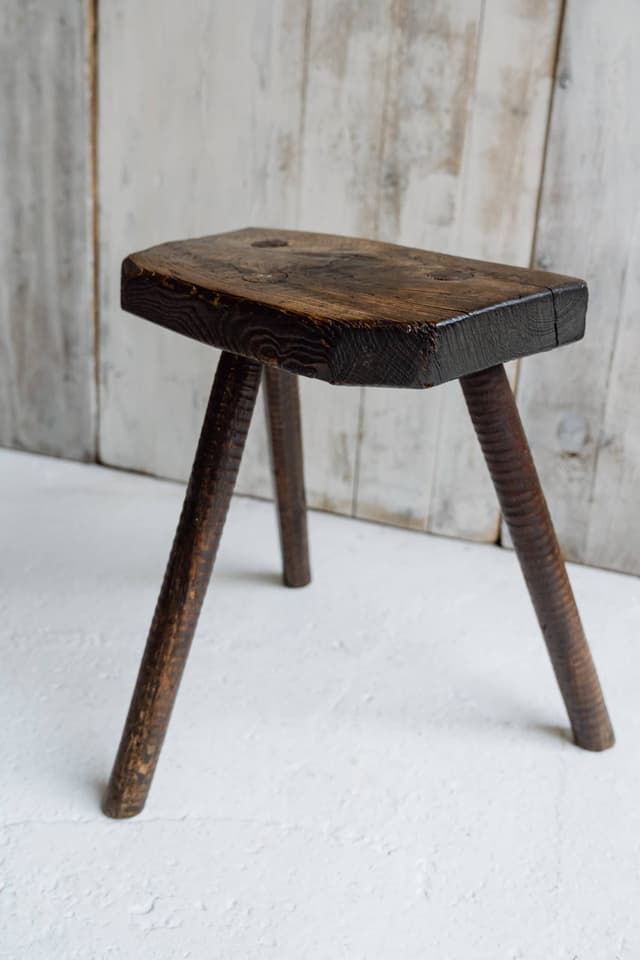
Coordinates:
[351,311]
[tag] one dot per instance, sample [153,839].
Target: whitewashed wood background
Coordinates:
[501,129]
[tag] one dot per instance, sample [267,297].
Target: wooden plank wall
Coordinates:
[462,157]
[581,405]
[197,142]
[379,119]
[47,343]
[429,122]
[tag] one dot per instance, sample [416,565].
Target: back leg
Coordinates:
[283,420]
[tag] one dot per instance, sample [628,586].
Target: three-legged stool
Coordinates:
[350,312]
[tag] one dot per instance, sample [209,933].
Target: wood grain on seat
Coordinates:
[351,311]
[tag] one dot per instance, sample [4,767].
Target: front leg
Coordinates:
[185,582]
[504,444]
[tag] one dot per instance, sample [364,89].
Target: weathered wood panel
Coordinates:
[580,404]
[501,181]
[344,52]
[201,141]
[469,96]
[47,372]
[429,91]
[347,47]
[291,141]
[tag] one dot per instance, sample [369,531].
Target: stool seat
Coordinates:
[351,311]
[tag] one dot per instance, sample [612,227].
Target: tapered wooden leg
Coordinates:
[283,416]
[185,582]
[499,429]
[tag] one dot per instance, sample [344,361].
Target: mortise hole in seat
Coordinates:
[271,242]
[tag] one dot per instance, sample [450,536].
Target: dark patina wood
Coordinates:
[351,311]
[497,423]
[185,583]
[283,420]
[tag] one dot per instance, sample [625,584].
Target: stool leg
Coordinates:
[185,582]
[283,416]
[497,423]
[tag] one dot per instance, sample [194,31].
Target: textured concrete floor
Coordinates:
[373,767]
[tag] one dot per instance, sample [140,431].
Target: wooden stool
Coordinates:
[350,312]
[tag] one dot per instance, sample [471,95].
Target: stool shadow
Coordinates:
[245,575]
[551,730]
[98,787]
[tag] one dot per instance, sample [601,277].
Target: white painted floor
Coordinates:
[373,767]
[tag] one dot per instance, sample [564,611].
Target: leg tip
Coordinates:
[119,807]
[117,811]
[296,584]
[596,741]
[296,578]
